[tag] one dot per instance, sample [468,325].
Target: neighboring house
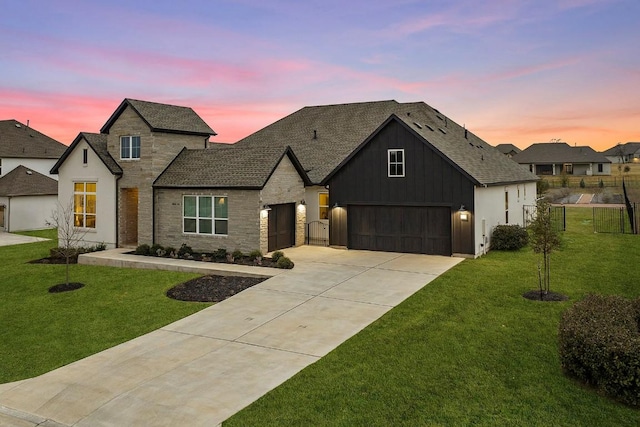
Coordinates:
[24,206]
[109,176]
[508,150]
[376,175]
[27,200]
[623,153]
[400,177]
[23,145]
[556,158]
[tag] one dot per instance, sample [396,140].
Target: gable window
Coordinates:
[205,215]
[323,205]
[84,204]
[395,162]
[85,156]
[129,147]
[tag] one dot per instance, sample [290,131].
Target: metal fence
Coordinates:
[317,234]
[616,219]
[558,216]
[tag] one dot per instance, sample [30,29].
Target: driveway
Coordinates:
[7,239]
[204,368]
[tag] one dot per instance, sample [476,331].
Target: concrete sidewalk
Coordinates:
[7,239]
[204,368]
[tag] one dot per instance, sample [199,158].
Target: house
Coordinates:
[628,152]
[109,176]
[376,175]
[557,158]
[27,200]
[508,150]
[27,190]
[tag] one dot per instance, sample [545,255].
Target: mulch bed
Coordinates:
[212,288]
[549,296]
[65,287]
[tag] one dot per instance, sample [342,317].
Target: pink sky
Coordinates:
[511,71]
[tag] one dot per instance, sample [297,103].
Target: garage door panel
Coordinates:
[400,229]
[281,227]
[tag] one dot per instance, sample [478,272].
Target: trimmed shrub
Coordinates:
[582,184]
[156,250]
[599,344]
[171,250]
[509,238]
[542,186]
[276,256]
[254,254]
[221,253]
[284,262]
[142,249]
[184,250]
[601,184]
[237,254]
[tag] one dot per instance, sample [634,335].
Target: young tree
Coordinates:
[69,236]
[544,239]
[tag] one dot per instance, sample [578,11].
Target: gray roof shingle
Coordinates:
[508,148]
[225,166]
[625,149]
[20,141]
[163,118]
[98,143]
[323,137]
[558,152]
[22,181]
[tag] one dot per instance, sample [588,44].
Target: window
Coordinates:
[396,162]
[323,205]
[84,204]
[205,215]
[600,167]
[0,167]
[506,207]
[129,147]
[567,168]
[85,156]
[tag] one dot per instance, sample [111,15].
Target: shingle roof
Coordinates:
[322,137]
[20,141]
[558,152]
[507,148]
[626,148]
[98,143]
[225,166]
[163,118]
[22,181]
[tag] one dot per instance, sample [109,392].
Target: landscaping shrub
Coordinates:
[509,238]
[142,249]
[171,251]
[542,186]
[156,250]
[221,253]
[284,262]
[599,344]
[237,254]
[184,250]
[276,256]
[255,254]
[582,184]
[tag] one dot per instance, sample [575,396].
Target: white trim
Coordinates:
[130,139]
[395,163]
[213,217]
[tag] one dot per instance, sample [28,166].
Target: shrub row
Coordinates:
[221,254]
[59,252]
[599,344]
[509,237]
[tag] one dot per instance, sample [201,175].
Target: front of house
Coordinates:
[558,158]
[376,176]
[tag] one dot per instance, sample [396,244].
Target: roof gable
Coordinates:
[625,149]
[163,118]
[225,166]
[558,152]
[98,143]
[20,141]
[22,181]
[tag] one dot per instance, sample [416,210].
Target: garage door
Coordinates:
[425,230]
[282,226]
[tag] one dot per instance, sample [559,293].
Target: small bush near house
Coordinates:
[184,250]
[171,251]
[509,238]
[156,250]
[237,254]
[254,254]
[599,344]
[221,253]
[276,256]
[542,186]
[143,249]
[284,262]
[601,184]
[582,184]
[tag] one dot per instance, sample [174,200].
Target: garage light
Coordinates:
[464,214]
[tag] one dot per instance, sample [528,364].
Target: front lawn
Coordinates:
[467,349]
[42,331]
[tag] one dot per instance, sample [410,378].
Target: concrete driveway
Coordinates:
[7,239]
[204,368]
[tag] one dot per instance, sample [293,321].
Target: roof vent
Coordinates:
[417,125]
[18,125]
[29,172]
[430,128]
[408,113]
[315,134]
[466,133]
[442,130]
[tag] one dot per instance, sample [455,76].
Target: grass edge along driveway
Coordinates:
[467,349]
[42,331]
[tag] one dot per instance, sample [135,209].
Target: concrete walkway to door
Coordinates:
[204,368]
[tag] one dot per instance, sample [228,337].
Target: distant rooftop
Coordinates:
[18,140]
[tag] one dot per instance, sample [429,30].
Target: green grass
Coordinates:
[42,331]
[467,349]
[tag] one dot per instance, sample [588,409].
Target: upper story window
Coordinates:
[129,147]
[395,158]
[205,215]
[323,205]
[84,204]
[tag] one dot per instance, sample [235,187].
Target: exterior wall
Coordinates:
[318,229]
[27,212]
[578,169]
[42,166]
[490,210]
[157,150]
[73,170]
[243,212]
[284,186]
